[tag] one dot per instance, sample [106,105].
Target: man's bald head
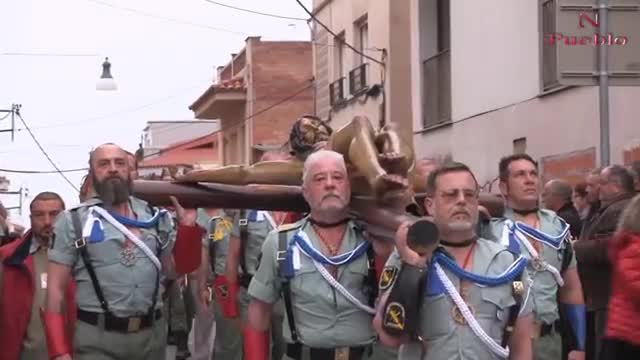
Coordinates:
[556,194]
[106,149]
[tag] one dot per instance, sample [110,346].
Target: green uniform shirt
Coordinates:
[218,228]
[323,317]
[448,340]
[545,287]
[128,290]
[258,227]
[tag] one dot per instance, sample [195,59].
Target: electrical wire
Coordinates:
[255,12]
[177,21]
[314,18]
[243,121]
[47,54]
[14,171]
[118,113]
[44,152]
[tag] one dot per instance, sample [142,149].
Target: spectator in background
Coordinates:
[593,197]
[616,189]
[556,196]
[580,200]
[622,336]
[23,284]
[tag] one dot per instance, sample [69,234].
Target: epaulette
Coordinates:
[287,227]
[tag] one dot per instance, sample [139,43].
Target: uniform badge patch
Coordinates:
[223,226]
[223,291]
[394,316]
[387,277]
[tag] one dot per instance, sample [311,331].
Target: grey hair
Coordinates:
[630,218]
[561,188]
[317,157]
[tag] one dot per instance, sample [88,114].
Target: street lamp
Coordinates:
[106,82]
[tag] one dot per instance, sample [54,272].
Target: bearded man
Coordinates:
[117,248]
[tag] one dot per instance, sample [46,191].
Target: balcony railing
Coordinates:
[336,92]
[437,89]
[358,79]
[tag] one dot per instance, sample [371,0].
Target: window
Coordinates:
[336,88]
[363,40]
[339,51]
[520,145]
[436,72]
[549,51]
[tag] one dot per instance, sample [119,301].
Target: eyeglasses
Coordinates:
[454,194]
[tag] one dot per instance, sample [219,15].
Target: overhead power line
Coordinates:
[256,12]
[177,21]
[243,121]
[14,171]
[121,112]
[44,152]
[314,18]
[47,54]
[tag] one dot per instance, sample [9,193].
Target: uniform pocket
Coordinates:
[493,312]
[436,319]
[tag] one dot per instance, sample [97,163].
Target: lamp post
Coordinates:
[106,82]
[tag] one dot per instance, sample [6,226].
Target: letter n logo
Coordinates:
[585,16]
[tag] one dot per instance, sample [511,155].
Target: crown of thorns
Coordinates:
[302,139]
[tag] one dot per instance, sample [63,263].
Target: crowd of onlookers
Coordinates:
[602,239]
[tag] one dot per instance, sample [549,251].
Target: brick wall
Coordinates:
[572,166]
[321,55]
[280,69]
[631,154]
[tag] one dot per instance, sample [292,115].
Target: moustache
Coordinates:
[328,196]
[461,212]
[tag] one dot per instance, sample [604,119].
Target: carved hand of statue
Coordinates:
[185,217]
[407,255]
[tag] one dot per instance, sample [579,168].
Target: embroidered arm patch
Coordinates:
[388,277]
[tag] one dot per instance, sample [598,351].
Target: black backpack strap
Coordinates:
[212,245]
[567,256]
[371,283]
[285,284]
[81,245]
[243,224]
[517,287]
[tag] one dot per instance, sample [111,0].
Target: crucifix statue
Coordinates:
[387,188]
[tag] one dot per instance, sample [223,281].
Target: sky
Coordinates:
[163,53]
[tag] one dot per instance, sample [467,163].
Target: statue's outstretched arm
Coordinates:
[277,172]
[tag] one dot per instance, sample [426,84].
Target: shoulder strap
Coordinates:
[517,288]
[82,247]
[213,223]
[371,283]
[243,223]
[285,284]
[567,256]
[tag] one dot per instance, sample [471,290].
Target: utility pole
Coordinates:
[15,110]
[603,54]
[22,193]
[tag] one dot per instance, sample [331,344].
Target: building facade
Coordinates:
[485,85]
[346,81]
[468,80]
[158,135]
[257,97]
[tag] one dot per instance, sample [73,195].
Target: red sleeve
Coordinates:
[628,266]
[187,251]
